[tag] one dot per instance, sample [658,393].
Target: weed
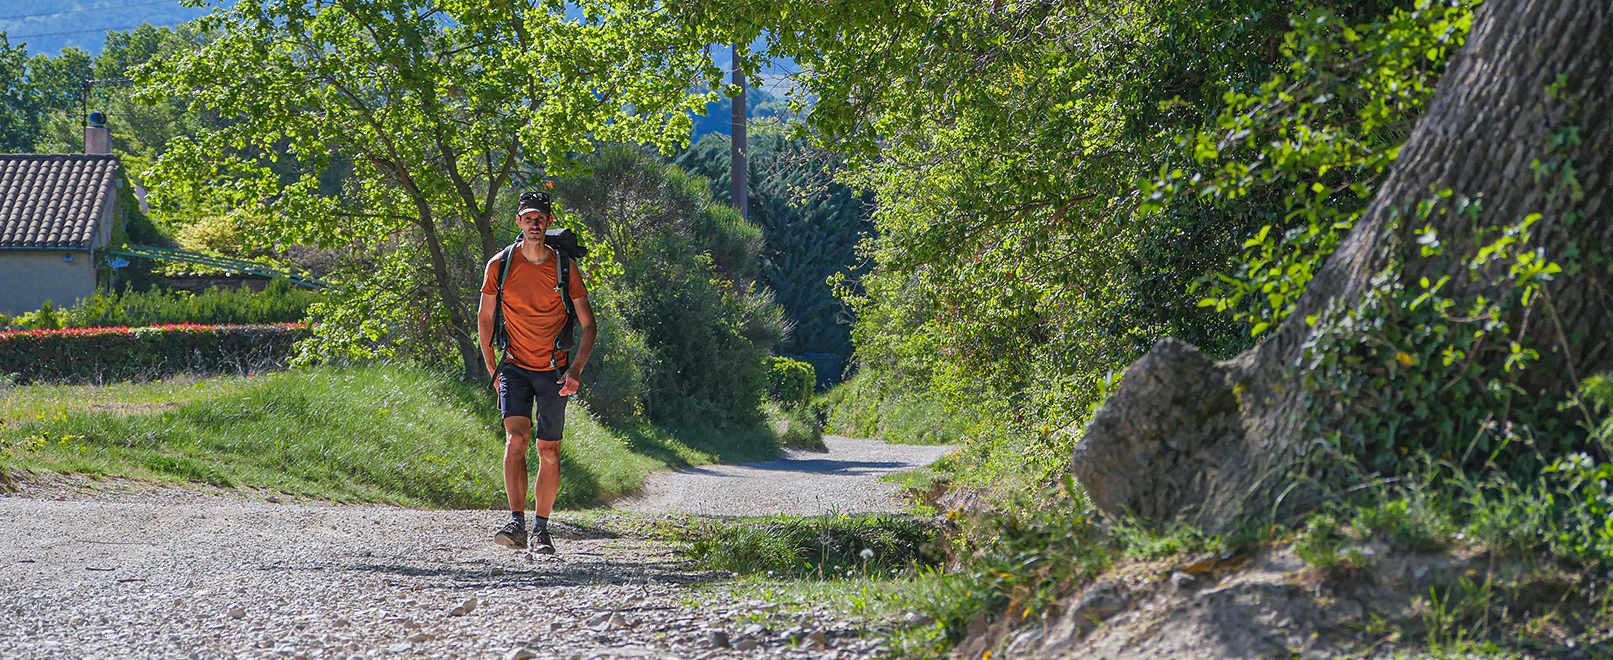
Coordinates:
[833,546]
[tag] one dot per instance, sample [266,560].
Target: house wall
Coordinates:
[28,279]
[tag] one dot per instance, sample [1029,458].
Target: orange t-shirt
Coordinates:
[533,312]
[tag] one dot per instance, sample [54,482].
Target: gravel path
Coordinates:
[803,483]
[115,569]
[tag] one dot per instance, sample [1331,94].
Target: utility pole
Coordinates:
[736,152]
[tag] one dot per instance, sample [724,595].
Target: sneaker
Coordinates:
[513,536]
[542,545]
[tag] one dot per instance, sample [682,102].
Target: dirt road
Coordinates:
[846,479]
[118,570]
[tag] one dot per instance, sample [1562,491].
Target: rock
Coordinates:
[616,622]
[745,644]
[1182,580]
[599,620]
[421,637]
[817,639]
[916,619]
[237,613]
[463,608]
[977,626]
[519,653]
[409,624]
[1170,430]
[1098,602]
[274,499]
[340,623]
[556,626]
[753,629]
[400,648]
[718,639]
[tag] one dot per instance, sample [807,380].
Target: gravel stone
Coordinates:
[817,639]
[463,608]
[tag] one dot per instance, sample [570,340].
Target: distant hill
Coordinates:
[719,116]
[48,26]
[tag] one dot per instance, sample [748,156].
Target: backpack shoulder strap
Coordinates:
[500,338]
[566,341]
[504,266]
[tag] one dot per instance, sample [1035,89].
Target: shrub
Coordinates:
[280,302]
[790,381]
[105,354]
[45,318]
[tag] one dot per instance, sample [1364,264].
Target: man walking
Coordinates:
[532,369]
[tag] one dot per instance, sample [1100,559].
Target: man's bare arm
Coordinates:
[585,346]
[484,324]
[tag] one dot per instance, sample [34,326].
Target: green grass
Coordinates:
[833,546]
[859,408]
[374,434]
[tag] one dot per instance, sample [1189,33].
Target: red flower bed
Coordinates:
[120,353]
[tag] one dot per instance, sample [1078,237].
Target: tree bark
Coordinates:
[1228,447]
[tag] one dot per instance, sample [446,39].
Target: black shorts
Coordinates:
[517,388]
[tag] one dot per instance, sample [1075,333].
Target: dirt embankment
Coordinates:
[1266,602]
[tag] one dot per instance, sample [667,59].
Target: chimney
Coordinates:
[97,137]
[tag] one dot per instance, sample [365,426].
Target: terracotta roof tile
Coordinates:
[53,200]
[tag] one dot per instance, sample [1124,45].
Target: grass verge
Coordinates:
[831,546]
[377,434]
[860,408]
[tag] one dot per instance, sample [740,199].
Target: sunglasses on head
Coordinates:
[532,195]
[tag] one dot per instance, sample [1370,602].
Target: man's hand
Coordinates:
[568,383]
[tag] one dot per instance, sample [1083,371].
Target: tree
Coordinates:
[1482,260]
[33,88]
[19,110]
[811,224]
[1002,144]
[688,331]
[443,109]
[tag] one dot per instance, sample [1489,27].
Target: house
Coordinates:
[56,210]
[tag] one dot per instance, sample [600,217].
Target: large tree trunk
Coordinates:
[1214,444]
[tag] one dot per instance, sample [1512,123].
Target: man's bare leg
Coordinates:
[548,477]
[517,435]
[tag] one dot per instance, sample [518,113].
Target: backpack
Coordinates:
[564,242]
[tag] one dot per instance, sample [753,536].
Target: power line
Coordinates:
[77,11]
[110,29]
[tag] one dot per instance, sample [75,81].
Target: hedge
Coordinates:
[790,381]
[148,353]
